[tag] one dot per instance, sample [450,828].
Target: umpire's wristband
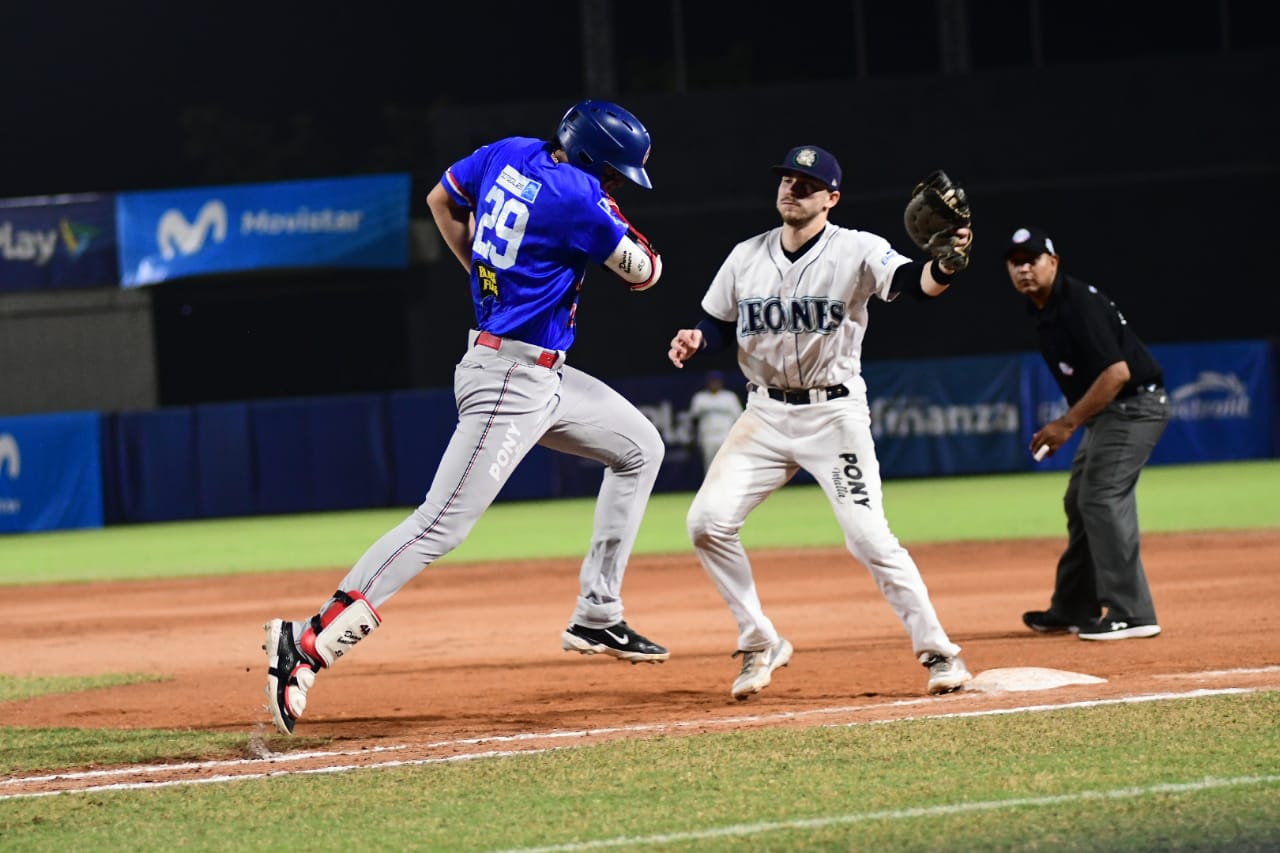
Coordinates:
[935,269]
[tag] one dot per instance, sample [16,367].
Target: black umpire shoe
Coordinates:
[618,640]
[1048,622]
[1113,627]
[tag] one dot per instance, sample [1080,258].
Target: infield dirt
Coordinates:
[471,652]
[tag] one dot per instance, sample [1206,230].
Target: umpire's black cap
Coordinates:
[1029,242]
[812,161]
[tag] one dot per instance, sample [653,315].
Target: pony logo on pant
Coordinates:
[848,481]
[507,452]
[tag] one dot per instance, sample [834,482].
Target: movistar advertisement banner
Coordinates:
[50,472]
[1221,397]
[340,222]
[57,241]
[945,417]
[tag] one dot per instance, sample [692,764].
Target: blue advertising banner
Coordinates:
[929,418]
[1221,399]
[945,417]
[1221,403]
[50,472]
[57,241]
[339,222]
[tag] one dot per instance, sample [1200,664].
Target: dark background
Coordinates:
[1141,135]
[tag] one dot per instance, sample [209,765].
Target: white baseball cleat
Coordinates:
[758,667]
[946,674]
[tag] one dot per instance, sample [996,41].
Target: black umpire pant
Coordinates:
[1102,566]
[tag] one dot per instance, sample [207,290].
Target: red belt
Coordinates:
[492,341]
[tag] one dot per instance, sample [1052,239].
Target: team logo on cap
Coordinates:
[806,157]
[1022,235]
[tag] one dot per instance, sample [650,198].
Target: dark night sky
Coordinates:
[147,94]
[97,97]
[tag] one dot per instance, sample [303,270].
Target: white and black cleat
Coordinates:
[619,641]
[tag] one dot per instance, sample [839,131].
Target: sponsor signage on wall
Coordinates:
[339,222]
[952,416]
[50,472]
[1221,398]
[57,242]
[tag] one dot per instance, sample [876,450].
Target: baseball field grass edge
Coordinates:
[1185,774]
[1222,496]
[50,750]
[14,688]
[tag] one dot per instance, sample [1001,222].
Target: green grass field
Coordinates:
[1200,774]
[1193,774]
[1229,496]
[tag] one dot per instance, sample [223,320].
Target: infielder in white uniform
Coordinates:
[795,300]
[714,410]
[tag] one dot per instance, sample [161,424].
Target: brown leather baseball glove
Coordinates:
[938,207]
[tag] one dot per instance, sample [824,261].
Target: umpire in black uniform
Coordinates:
[1115,390]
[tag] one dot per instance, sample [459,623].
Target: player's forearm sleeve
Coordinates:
[717,334]
[906,279]
[635,262]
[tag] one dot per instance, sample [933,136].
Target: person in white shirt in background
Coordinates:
[713,409]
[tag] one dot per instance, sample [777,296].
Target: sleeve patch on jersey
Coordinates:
[888,256]
[518,184]
[613,214]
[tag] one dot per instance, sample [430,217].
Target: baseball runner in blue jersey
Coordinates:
[524,217]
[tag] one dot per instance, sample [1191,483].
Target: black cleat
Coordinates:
[618,640]
[290,675]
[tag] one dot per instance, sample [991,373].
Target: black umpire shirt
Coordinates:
[1082,333]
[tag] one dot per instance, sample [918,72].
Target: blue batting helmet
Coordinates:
[596,134]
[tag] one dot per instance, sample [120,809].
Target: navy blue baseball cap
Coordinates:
[813,162]
[1029,243]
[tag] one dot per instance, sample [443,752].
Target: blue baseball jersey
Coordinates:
[538,223]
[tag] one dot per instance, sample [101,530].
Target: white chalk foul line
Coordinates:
[1064,706]
[1218,673]
[782,716]
[530,736]
[143,769]
[237,777]
[749,829]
